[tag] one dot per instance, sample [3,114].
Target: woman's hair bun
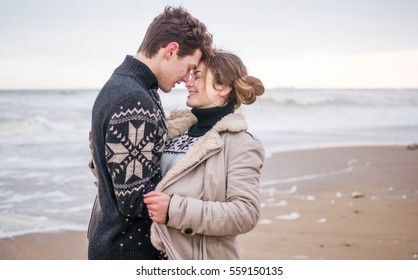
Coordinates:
[247,89]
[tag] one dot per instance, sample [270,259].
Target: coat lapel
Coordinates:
[208,144]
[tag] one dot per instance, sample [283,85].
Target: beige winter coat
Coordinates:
[214,188]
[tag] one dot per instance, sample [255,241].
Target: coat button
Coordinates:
[188,231]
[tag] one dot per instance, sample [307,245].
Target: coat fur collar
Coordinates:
[180,121]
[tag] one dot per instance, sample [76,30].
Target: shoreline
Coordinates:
[368,144]
[333,203]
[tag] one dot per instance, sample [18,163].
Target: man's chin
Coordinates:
[165,90]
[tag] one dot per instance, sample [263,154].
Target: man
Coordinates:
[128,132]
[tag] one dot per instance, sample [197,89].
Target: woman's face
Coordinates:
[202,94]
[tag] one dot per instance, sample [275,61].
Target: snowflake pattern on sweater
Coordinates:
[128,128]
[134,144]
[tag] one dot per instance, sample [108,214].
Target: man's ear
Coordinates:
[171,49]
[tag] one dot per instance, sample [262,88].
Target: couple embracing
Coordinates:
[181,186]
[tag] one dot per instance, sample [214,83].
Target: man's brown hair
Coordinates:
[177,25]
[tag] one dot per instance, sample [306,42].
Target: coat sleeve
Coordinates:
[134,143]
[240,211]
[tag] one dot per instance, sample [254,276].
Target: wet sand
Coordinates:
[338,204]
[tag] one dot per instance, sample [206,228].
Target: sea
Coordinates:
[46,186]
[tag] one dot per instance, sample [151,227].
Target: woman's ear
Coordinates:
[225,91]
[171,49]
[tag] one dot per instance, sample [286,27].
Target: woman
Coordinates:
[211,166]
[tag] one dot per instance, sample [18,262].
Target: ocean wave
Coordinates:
[10,197]
[337,102]
[340,98]
[17,224]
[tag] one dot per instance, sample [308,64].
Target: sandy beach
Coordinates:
[327,203]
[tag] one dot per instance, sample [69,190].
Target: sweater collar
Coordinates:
[208,117]
[133,67]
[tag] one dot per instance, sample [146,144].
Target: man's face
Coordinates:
[177,70]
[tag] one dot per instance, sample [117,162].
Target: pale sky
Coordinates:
[67,44]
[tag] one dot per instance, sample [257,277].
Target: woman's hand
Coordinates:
[91,143]
[157,205]
[91,164]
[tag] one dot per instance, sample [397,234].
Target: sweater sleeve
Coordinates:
[134,143]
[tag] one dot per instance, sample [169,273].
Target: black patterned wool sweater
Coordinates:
[128,128]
